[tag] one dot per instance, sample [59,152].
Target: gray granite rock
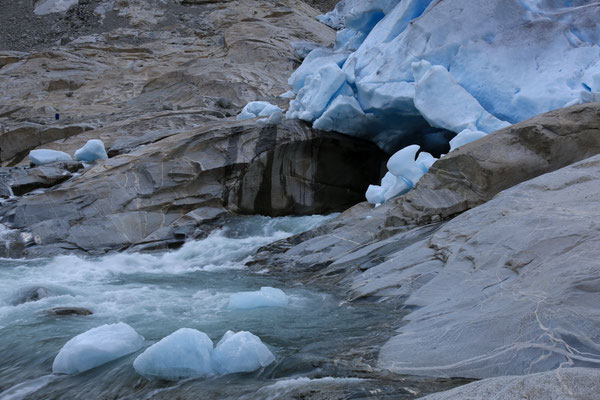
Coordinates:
[560,384]
[511,285]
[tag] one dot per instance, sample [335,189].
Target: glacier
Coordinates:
[422,71]
[93,150]
[95,347]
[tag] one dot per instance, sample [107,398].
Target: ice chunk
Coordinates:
[96,347]
[375,194]
[349,40]
[315,60]
[320,88]
[265,297]
[446,104]
[288,95]
[185,353]
[52,6]
[344,114]
[258,109]
[45,156]
[93,150]
[303,48]
[401,186]
[359,15]
[241,352]
[403,174]
[464,137]
[403,164]
[425,161]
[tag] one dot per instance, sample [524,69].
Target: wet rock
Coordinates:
[63,311]
[12,243]
[147,196]
[25,180]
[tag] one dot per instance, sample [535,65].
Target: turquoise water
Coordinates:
[321,343]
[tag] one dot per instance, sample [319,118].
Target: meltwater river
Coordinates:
[324,348]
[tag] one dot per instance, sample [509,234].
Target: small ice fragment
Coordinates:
[241,352]
[257,109]
[375,194]
[288,95]
[92,151]
[186,353]
[95,347]
[265,297]
[45,156]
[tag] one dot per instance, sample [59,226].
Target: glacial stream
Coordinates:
[323,346]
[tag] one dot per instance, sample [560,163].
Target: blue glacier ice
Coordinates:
[464,137]
[358,15]
[93,150]
[186,353]
[405,169]
[189,353]
[258,109]
[45,156]
[452,65]
[241,352]
[265,297]
[95,347]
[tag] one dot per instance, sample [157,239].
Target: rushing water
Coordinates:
[321,344]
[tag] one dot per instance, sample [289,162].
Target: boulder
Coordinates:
[64,311]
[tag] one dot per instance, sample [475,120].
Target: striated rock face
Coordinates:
[507,287]
[562,384]
[160,83]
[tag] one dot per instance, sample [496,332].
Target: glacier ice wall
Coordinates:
[419,71]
